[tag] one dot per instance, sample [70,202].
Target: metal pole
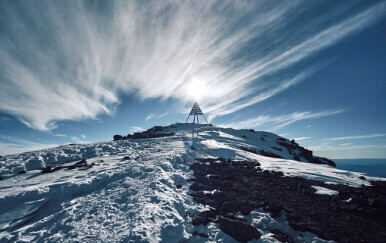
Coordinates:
[205,119]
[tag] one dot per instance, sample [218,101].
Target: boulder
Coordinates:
[46,170]
[238,230]
[203,217]
[22,172]
[117,137]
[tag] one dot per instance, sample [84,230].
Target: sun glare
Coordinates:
[197,89]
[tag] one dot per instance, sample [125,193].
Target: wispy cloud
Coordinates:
[274,123]
[149,117]
[152,116]
[359,137]
[302,138]
[345,144]
[60,135]
[136,129]
[78,59]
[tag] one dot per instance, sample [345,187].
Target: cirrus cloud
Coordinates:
[73,60]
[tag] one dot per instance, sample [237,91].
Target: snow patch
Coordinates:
[325,191]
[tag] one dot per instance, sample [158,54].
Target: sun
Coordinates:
[197,89]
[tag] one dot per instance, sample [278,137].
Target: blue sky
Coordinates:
[82,71]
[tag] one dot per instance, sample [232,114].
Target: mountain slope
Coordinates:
[139,189]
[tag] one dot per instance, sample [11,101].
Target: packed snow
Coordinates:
[137,189]
[324,191]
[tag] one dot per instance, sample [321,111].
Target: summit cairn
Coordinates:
[195,112]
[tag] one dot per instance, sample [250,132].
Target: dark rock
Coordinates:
[238,230]
[196,187]
[203,217]
[362,178]
[244,136]
[82,162]
[56,168]
[178,186]
[230,206]
[274,209]
[71,167]
[22,172]
[117,137]
[269,154]
[126,158]
[261,152]
[361,201]
[47,169]
[245,208]
[298,226]
[280,236]
[200,234]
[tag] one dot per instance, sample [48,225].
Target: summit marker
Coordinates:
[195,112]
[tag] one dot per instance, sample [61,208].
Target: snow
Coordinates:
[135,199]
[325,191]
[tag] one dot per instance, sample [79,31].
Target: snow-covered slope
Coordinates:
[136,190]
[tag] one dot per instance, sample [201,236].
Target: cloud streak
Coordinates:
[302,138]
[152,116]
[136,129]
[74,60]
[359,137]
[274,123]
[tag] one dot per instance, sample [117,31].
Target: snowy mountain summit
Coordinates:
[187,183]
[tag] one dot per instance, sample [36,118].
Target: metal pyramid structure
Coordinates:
[195,112]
